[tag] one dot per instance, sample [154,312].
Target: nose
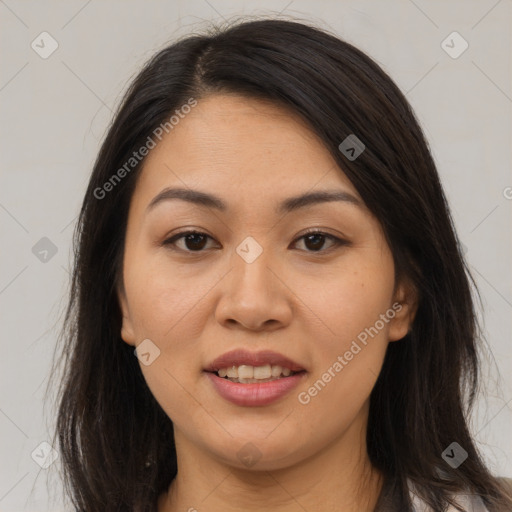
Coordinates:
[254,296]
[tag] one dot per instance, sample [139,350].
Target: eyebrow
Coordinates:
[288,205]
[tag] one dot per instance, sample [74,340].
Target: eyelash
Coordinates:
[337,242]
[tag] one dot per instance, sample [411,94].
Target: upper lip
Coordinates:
[243,357]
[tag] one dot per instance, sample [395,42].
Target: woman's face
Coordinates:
[255,281]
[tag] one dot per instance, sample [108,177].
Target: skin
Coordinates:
[303,299]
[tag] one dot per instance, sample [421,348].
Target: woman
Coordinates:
[265,230]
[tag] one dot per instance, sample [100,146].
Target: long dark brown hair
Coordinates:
[116,443]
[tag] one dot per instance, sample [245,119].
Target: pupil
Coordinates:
[190,238]
[319,238]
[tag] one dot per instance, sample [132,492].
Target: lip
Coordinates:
[244,357]
[257,394]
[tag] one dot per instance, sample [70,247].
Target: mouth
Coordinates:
[254,379]
[254,392]
[247,374]
[246,367]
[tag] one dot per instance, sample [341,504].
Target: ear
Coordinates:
[127,331]
[405,305]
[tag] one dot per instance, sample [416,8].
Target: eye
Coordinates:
[315,239]
[194,241]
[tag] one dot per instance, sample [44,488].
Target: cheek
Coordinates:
[353,297]
[161,295]
[166,308]
[355,311]
[169,305]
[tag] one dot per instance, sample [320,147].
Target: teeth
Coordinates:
[276,370]
[248,374]
[232,372]
[261,372]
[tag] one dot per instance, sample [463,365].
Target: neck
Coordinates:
[338,478]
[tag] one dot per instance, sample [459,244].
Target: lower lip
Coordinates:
[253,395]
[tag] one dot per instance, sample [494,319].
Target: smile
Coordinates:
[247,374]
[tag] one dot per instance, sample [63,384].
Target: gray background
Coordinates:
[55,112]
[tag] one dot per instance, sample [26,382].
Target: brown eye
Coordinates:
[315,240]
[193,241]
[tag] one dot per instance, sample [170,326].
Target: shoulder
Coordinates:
[468,502]
[473,503]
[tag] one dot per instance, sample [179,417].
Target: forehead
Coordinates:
[241,148]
